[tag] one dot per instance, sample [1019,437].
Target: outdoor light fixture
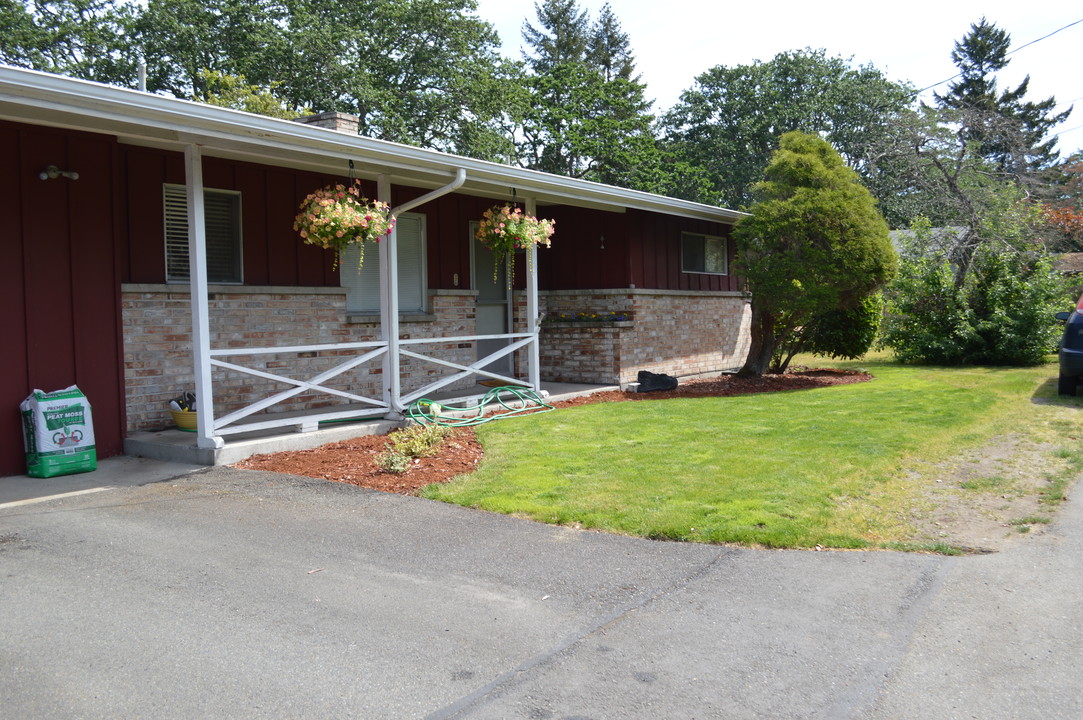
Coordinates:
[53,172]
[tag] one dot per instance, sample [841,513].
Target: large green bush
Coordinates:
[847,334]
[1000,314]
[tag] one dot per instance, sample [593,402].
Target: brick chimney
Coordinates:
[337,121]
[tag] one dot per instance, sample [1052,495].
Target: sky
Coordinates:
[676,40]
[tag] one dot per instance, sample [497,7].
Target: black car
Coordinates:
[1071,350]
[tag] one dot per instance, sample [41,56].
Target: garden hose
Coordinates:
[428,412]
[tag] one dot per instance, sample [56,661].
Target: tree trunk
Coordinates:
[762,345]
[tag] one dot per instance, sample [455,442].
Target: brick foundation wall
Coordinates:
[158,346]
[679,333]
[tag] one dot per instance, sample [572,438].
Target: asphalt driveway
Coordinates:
[234,594]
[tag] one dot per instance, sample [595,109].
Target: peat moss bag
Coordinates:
[58,433]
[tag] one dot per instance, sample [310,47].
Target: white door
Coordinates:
[494,304]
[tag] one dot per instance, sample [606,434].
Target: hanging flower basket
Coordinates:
[336,216]
[505,229]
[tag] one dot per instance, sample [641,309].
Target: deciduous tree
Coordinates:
[730,120]
[89,39]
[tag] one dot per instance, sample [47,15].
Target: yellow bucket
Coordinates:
[185,420]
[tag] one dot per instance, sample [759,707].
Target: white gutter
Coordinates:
[460,178]
[154,119]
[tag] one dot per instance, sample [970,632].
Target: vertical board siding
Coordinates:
[655,253]
[255,256]
[146,171]
[47,266]
[14,373]
[284,247]
[577,260]
[641,248]
[60,296]
[96,290]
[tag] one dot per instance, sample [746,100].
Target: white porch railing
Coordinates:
[369,406]
[522,340]
[225,425]
[388,349]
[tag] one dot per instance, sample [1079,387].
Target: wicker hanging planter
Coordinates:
[336,216]
[505,229]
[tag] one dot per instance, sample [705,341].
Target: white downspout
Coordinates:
[532,314]
[460,178]
[389,307]
[389,288]
[201,332]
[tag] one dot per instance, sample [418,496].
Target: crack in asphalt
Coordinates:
[516,675]
[859,697]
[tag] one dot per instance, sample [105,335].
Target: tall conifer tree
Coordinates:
[588,117]
[1008,130]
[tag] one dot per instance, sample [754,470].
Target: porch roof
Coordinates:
[141,118]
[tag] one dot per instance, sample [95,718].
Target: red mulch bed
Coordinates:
[353,461]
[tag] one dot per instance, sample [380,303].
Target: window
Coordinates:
[703,254]
[222,221]
[363,287]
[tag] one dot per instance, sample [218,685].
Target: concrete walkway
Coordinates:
[226,593]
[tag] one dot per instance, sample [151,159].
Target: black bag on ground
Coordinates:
[652,382]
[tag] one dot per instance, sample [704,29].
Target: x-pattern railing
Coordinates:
[225,425]
[466,371]
[376,350]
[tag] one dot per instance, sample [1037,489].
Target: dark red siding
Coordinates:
[447,221]
[272,252]
[589,250]
[58,281]
[655,253]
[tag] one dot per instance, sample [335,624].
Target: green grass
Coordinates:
[1056,490]
[823,467]
[994,482]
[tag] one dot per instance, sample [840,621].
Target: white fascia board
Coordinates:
[162,121]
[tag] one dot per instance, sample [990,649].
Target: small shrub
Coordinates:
[407,444]
[419,440]
[393,462]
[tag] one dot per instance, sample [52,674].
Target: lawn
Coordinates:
[833,467]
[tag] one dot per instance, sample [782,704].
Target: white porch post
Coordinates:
[389,307]
[533,350]
[201,332]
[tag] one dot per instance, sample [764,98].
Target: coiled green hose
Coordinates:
[427,412]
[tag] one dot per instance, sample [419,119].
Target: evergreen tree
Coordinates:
[587,116]
[563,35]
[1008,131]
[814,243]
[609,50]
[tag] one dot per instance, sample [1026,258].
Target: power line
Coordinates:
[1010,52]
[1062,132]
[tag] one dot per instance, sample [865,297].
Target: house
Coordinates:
[104,286]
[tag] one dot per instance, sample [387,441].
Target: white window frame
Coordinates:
[175,232]
[413,272]
[706,239]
